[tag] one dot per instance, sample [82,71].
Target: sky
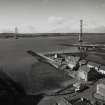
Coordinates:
[38,16]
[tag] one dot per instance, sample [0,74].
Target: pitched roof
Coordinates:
[93,64]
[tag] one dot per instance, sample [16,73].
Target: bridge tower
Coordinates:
[16,32]
[81,30]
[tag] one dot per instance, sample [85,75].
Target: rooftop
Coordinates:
[84,68]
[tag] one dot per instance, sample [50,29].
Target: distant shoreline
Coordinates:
[32,35]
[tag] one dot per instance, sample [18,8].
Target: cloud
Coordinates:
[53,20]
[26,29]
[100,29]
[59,24]
[44,2]
[94,26]
[73,25]
[69,25]
[22,28]
[100,6]
[7,29]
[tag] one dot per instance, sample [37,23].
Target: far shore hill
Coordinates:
[30,35]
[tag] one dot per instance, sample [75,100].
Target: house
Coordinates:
[79,86]
[83,73]
[98,68]
[87,74]
[71,61]
[100,90]
[93,65]
[102,69]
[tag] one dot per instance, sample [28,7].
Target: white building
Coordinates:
[102,69]
[71,61]
[100,90]
[82,73]
[87,74]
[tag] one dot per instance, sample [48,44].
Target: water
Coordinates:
[25,69]
[34,76]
